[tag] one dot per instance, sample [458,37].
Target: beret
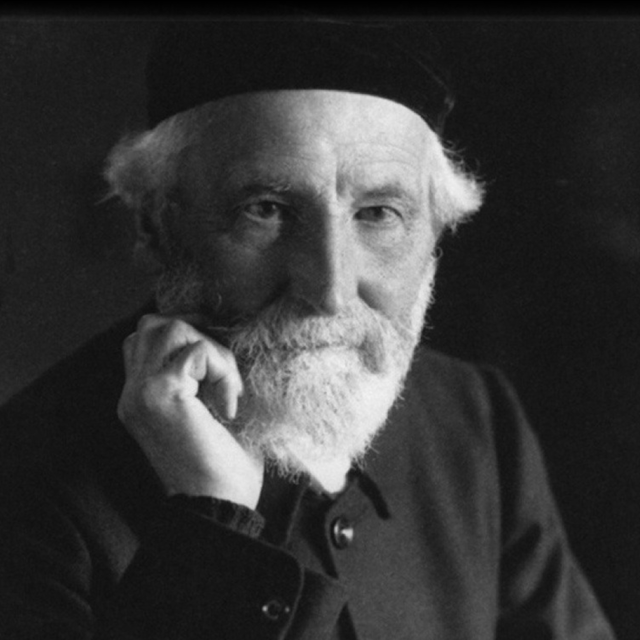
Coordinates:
[194,62]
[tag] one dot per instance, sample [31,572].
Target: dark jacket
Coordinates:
[448,532]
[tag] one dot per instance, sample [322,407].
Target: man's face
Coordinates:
[304,227]
[316,196]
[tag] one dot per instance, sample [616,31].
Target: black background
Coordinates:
[544,283]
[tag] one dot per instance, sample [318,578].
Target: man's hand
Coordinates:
[167,363]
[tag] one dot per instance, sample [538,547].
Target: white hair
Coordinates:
[143,169]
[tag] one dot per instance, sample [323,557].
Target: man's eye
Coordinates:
[381,215]
[266,211]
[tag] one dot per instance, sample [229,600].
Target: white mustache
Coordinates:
[287,328]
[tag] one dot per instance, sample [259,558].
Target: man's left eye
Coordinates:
[379,215]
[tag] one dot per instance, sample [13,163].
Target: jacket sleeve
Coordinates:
[195,577]
[543,592]
[191,577]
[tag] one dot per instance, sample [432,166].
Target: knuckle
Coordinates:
[176,327]
[224,354]
[142,399]
[151,394]
[227,354]
[199,347]
[146,322]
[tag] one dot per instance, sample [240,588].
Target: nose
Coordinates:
[324,271]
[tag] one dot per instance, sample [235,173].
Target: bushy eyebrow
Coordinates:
[242,185]
[391,191]
[246,183]
[262,186]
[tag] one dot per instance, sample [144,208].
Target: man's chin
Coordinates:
[318,406]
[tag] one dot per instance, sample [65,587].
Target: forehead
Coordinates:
[314,134]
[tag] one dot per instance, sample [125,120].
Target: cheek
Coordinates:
[393,296]
[392,283]
[246,280]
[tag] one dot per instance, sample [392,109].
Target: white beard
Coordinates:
[317,389]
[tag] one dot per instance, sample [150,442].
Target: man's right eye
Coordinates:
[264,211]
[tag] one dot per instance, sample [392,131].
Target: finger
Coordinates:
[203,324]
[150,327]
[214,369]
[167,344]
[160,339]
[221,365]
[223,384]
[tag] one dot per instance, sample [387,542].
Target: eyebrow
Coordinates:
[248,184]
[261,186]
[393,190]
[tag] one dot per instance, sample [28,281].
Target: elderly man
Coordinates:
[278,460]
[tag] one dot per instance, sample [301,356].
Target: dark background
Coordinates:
[544,283]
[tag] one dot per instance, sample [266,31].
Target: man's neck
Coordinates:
[328,476]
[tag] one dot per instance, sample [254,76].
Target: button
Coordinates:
[276,610]
[342,532]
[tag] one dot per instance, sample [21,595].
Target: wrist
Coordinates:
[241,493]
[230,514]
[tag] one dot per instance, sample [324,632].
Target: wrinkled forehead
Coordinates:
[309,130]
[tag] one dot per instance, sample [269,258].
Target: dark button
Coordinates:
[342,532]
[276,610]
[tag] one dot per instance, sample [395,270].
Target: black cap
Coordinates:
[194,62]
